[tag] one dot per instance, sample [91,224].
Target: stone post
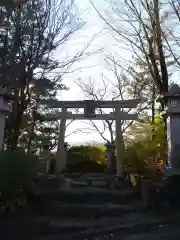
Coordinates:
[46,153]
[66,149]
[109,154]
[44,163]
[4,110]
[61,152]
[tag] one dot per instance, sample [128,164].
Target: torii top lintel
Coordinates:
[130,103]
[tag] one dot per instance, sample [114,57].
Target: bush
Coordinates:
[86,159]
[16,171]
[86,153]
[85,167]
[145,153]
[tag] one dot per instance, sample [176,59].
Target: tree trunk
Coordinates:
[153,108]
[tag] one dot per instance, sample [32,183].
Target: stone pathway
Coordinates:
[78,211]
[87,210]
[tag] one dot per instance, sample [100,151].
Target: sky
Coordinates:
[93,66]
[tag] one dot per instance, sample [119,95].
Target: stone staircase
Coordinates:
[85,208]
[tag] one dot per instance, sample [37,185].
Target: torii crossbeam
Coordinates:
[89,107]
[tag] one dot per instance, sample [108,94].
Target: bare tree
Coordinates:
[121,87]
[139,26]
[97,93]
[170,35]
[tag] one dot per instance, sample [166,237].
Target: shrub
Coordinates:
[16,170]
[85,167]
[145,153]
[86,153]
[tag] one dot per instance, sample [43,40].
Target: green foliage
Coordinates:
[146,152]
[85,167]
[11,3]
[86,153]
[86,158]
[16,171]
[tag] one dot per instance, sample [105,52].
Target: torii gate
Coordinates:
[89,107]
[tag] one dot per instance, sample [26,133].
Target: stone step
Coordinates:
[95,195]
[65,225]
[118,231]
[52,227]
[87,175]
[95,183]
[165,233]
[89,210]
[88,195]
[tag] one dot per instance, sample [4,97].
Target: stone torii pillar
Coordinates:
[61,151]
[4,110]
[120,154]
